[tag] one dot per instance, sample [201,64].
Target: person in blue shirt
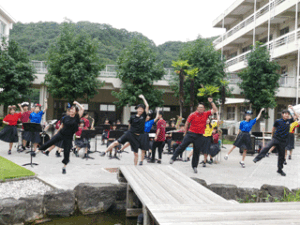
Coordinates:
[36,117]
[243,139]
[145,137]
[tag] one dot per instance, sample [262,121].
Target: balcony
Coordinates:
[278,47]
[110,71]
[244,26]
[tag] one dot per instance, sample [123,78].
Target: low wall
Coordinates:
[92,198]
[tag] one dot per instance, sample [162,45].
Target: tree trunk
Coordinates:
[192,95]
[181,93]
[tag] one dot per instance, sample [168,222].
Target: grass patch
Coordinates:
[227,142]
[10,170]
[291,197]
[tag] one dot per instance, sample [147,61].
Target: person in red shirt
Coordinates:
[25,119]
[159,138]
[81,142]
[86,121]
[196,123]
[10,133]
[177,143]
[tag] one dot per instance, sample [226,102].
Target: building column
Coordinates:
[43,95]
[236,119]
[270,121]
[126,114]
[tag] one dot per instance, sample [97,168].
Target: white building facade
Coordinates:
[275,23]
[6,23]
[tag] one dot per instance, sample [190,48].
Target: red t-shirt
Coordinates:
[215,138]
[161,125]
[86,122]
[79,132]
[198,121]
[12,119]
[57,125]
[25,117]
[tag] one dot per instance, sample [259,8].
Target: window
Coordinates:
[107,108]
[284,70]
[265,40]
[246,49]
[232,55]
[2,29]
[230,113]
[284,31]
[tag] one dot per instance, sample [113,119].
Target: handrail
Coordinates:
[265,9]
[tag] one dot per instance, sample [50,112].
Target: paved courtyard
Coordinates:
[230,172]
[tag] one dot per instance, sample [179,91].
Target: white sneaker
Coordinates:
[226,157]
[243,164]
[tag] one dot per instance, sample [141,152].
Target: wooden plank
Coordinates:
[165,183]
[160,194]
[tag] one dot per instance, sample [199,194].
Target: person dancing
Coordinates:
[243,139]
[10,133]
[133,135]
[68,128]
[280,133]
[197,123]
[25,119]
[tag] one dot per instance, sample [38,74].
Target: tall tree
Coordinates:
[260,79]
[211,68]
[191,74]
[16,73]
[73,65]
[137,69]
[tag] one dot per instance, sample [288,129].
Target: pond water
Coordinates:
[108,218]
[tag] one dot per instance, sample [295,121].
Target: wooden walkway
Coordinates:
[171,198]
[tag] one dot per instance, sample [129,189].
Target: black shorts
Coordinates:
[133,139]
[145,141]
[290,144]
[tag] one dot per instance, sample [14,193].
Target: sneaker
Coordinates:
[201,162]
[290,157]
[9,152]
[255,160]
[151,161]
[195,170]
[141,163]
[159,161]
[284,163]
[33,154]
[102,154]
[204,164]
[210,161]
[187,159]
[243,164]
[268,154]
[226,157]
[171,161]
[281,173]
[58,154]
[64,171]
[85,156]
[46,153]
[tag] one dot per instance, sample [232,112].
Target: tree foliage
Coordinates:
[260,79]
[137,69]
[73,65]
[16,73]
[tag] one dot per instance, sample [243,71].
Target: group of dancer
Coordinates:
[198,130]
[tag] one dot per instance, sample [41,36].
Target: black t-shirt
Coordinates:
[70,125]
[282,128]
[137,123]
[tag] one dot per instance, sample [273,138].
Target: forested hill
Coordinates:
[37,37]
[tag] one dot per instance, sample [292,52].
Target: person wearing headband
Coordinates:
[9,133]
[243,139]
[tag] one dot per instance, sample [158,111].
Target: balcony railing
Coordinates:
[287,81]
[249,20]
[272,45]
[109,71]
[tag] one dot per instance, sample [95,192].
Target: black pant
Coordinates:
[159,145]
[280,145]
[174,146]
[197,140]
[67,145]
[169,141]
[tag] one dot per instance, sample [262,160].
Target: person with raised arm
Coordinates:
[134,134]
[10,133]
[194,130]
[69,126]
[243,139]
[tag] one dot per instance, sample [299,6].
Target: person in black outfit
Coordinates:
[280,133]
[69,126]
[133,135]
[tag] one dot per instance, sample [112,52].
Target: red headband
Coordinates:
[39,105]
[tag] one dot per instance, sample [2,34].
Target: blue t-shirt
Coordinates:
[36,117]
[247,126]
[148,125]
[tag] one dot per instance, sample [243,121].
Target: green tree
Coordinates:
[73,65]
[191,74]
[260,79]
[137,69]
[16,73]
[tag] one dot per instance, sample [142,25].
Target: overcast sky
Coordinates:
[159,20]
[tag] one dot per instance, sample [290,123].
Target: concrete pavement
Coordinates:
[229,172]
